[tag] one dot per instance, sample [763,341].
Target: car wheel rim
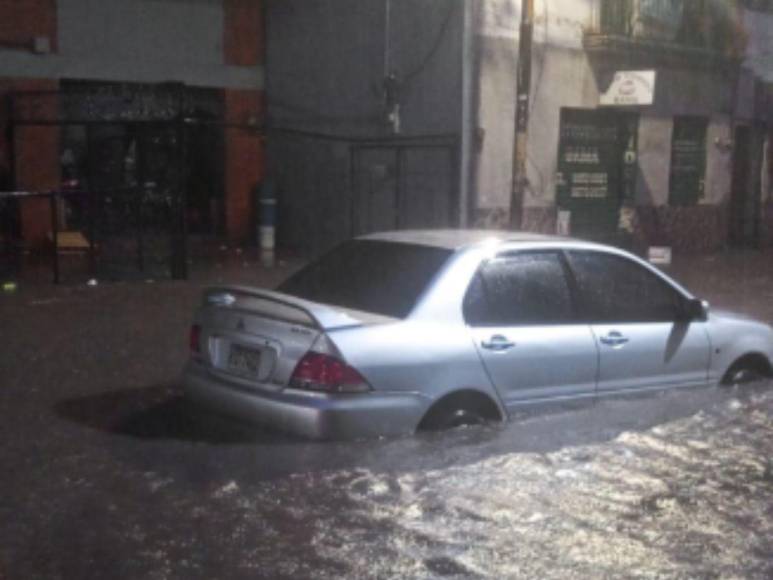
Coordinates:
[463,418]
[744,377]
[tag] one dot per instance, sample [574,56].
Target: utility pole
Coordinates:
[522,92]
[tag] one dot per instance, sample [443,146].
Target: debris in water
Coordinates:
[227,489]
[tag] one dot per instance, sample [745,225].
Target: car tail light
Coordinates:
[194,339]
[322,372]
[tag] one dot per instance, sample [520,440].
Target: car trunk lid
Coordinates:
[257,337]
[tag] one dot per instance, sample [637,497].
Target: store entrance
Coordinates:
[596,169]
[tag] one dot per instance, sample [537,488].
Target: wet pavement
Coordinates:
[107,473]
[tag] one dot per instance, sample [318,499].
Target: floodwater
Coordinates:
[109,475]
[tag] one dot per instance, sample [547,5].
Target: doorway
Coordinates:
[744,207]
[596,169]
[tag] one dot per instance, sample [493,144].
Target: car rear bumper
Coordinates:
[308,414]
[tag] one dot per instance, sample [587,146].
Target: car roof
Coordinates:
[458,239]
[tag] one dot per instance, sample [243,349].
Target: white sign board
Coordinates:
[630,88]
[660,255]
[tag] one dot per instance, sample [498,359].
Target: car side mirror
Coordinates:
[695,309]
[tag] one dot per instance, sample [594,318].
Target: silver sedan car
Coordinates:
[396,331]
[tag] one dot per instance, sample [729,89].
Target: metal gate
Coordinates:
[404,186]
[124,170]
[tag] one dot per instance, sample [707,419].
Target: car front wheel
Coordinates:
[745,371]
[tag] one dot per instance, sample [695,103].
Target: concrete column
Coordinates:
[37,167]
[243,45]
[244,162]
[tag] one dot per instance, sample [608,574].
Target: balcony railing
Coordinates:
[617,17]
[676,25]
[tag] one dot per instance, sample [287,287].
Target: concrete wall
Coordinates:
[325,67]
[124,40]
[326,61]
[565,75]
[759,30]
[561,76]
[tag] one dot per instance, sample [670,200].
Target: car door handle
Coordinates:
[614,338]
[497,343]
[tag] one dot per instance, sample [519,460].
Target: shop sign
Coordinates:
[659,255]
[630,88]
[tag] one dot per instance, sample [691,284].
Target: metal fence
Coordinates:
[122,233]
[123,182]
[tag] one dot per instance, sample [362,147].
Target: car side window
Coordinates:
[615,289]
[520,289]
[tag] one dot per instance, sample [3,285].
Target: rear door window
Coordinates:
[522,289]
[369,275]
[616,289]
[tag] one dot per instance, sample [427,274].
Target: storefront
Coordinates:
[596,169]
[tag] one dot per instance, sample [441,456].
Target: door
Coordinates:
[596,169]
[746,185]
[687,174]
[636,317]
[399,187]
[522,318]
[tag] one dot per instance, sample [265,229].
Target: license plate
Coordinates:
[244,360]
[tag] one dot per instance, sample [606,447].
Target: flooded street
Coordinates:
[109,475]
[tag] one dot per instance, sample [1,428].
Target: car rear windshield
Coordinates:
[369,275]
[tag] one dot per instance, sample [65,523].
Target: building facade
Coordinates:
[87,87]
[649,121]
[365,116]
[648,124]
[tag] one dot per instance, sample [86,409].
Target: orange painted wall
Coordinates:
[243,42]
[37,164]
[244,162]
[243,37]
[22,20]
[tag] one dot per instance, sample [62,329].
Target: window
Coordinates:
[518,290]
[616,289]
[372,276]
[688,161]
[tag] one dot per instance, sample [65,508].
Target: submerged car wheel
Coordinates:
[459,410]
[462,418]
[750,369]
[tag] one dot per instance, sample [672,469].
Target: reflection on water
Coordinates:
[674,485]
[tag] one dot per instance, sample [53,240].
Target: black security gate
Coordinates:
[125,161]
